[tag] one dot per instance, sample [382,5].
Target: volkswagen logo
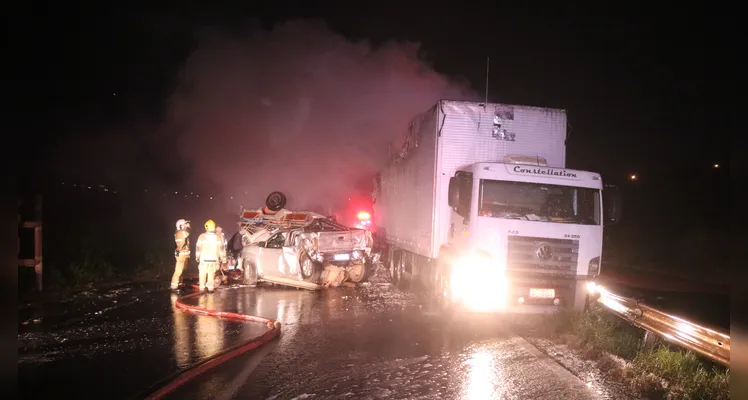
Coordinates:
[544,252]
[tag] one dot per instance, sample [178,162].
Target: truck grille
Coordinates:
[532,254]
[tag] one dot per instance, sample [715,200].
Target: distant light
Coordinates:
[114,94]
[716,165]
[211,197]
[632,177]
[363,215]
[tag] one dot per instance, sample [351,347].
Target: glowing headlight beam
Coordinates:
[479,283]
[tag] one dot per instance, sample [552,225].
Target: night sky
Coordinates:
[638,84]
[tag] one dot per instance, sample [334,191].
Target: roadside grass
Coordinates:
[660,372]
[92,270]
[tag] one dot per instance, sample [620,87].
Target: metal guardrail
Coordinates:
[705,341]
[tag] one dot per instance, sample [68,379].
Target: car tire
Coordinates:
[309,270]
[360,273]
[250,273]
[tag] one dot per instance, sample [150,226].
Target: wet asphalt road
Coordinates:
[379,343]
[370,342]
[115,345]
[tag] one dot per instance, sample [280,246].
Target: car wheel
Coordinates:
[309,271]
[250,273]
[357,273]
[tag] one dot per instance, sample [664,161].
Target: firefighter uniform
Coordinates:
[210,254]
[181,251]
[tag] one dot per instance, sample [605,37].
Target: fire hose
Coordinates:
[173,382]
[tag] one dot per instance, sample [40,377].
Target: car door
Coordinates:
[290,255]
[271,260]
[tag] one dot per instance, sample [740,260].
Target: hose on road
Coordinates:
[170,384]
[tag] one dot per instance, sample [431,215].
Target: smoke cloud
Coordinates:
[298,109]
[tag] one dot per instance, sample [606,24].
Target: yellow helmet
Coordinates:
[210,226]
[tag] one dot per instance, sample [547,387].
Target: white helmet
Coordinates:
[181,223]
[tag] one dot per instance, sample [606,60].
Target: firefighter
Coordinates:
[222,240]
[221,237]
[210,254]
[181,252]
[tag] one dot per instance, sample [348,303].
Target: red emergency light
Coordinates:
[363,215]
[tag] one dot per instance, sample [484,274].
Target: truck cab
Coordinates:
[532,233]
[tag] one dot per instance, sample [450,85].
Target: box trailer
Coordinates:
[478,195]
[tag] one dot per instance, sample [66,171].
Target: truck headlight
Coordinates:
[594,267]
[478,281]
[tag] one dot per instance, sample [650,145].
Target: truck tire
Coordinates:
[309,271]
[394,265]
[442,290]
[581,300]
[399,267]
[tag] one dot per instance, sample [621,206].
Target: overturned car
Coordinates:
[300,248]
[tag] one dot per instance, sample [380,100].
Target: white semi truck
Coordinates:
[478,207]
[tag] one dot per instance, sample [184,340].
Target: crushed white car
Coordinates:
[300,248]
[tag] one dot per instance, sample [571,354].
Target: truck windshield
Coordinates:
[539,202]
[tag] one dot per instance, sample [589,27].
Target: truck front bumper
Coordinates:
[535,295]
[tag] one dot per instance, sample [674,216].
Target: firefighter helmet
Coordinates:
[181,223]
[210,226]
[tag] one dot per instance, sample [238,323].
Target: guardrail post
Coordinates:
[38,257]
[649,341]
[36,224]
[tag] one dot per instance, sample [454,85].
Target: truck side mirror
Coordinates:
[466,195]
[612,202]
[460,193]
[454,192]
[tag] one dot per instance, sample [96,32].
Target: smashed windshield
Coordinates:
[539,202]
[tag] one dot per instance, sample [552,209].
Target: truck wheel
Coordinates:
[443,290]
[399,270]
[581,298]
[394,263]
[250,273]
[309,271]
[357,273]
